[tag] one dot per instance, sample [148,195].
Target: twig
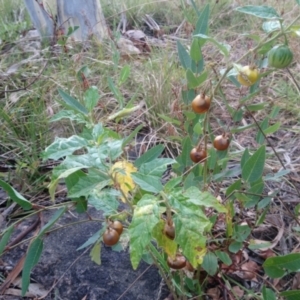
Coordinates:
[294,80]
[22,234]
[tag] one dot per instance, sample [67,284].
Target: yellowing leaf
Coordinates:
[95,253]
[120,172]
[199,256]
[169,246]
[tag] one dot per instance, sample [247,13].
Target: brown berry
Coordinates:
[117,225]
[110,237]
[198,155]
[169,230]
[221,142]
[201,104]
[189,267]
[178,263]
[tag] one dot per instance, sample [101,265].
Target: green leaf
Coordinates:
[91,97]
[272,128]
[116,92]
[92,239]
[72,102]
[71,30]
[269,26]
[268,294]
[185,154]
[68,114]
[190,181]
[253,168]
[202,22]
[191,225]
[105,200]
[245,157]
[124,74]
[277,176]
[235,247]
[210,264]
[52,221]
[184,57]
[188,96]
[172,183]
[224,257]
[290,262]
[148,183]
[241,232]
[255,246]
[149,155]
[298,2]
[222,47]
[95,253]
[193,81]
[124,112]
[264,12]
[64,146]
[5,238]
[169,120]
[233,187]
[260,138]
[33,255]
[195,51]
[15,195]
[81,204]
[254,193]
[205,199]
[292,294]
[145,217]
[87,183]
[274,272]
[156,167]
[257,106]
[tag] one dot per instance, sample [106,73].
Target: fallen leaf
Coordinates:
[237,292]
[214,293]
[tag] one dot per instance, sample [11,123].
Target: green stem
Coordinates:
[163,274]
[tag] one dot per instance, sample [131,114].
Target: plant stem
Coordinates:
[294,80]
[162,273]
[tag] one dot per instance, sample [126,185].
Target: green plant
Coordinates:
[200,220]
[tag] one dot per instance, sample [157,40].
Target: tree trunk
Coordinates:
[52,16]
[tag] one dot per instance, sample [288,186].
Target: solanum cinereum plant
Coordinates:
[173,224]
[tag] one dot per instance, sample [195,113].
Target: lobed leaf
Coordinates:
[64,146]
[145,218]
